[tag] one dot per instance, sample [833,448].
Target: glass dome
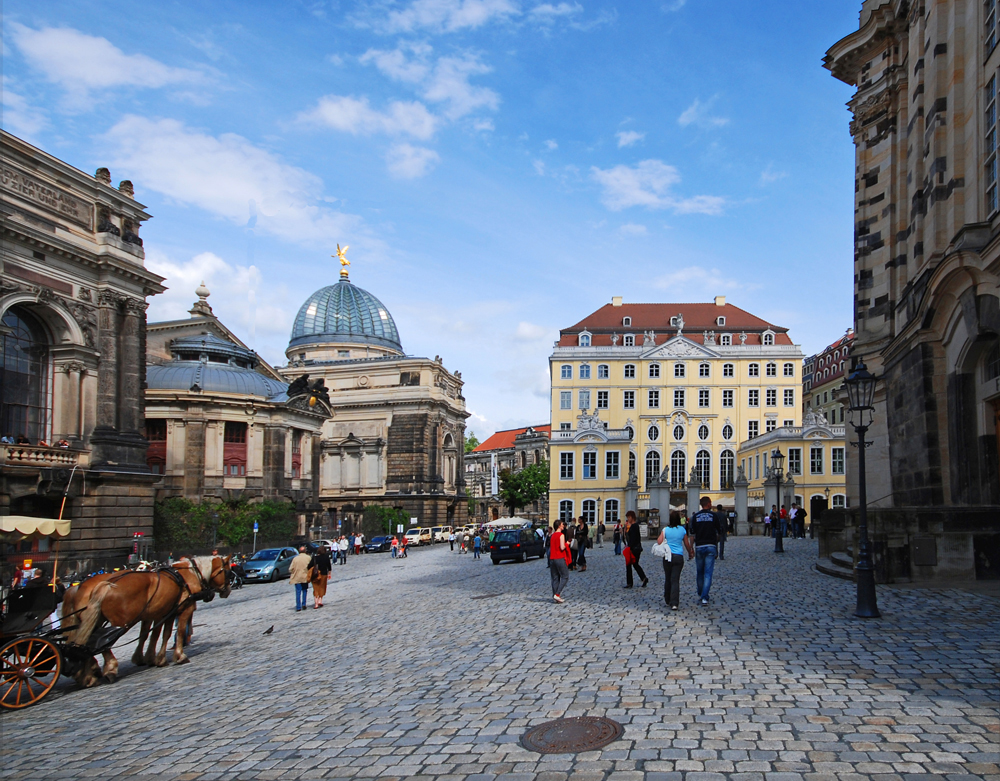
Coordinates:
[344,314]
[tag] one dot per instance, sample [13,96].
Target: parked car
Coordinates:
[269,564]
[517,544]
[314,545]
[412,537]
[378,544]
[426,538]
[436,532]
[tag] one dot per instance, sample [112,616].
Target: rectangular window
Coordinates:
[837,460]
[990,36]
[584,371]
[584,399]
[794,461]
[566,372]
[816,461]
[753,397]
[565,466]
[787,423]
[235,432]
[628,400]
[728,370]
[704,370]
[771,397]
[789,397]
[565,426]
[703,397]
[727,398]
[753,370]
[234,448]
[753,428]
[772,370]
[603,372]
[654,371]
[678,370]
[602,399]
[757,460]
[770,424]
[629,371]
[590,465]
[565,400]
[990,147]
[789,370]
[678,397]
[612,465]
[654,399]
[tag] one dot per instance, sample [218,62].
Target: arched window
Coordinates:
[678,468]
[566,510]
[652,466]
[524,459]
[585,340]
[589,511]
[631,464]
[611,511]
[768,340]
[727,466]
[653,433]
[630,431]
[703,468]
[24,377]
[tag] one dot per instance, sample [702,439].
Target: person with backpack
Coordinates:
[707,529]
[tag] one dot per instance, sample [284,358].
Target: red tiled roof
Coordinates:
[698,318]
[505,439]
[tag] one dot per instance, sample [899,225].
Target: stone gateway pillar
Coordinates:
[742,517]
[693,493]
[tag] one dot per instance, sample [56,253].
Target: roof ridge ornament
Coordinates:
[344,262]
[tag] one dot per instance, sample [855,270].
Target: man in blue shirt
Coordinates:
[708,530]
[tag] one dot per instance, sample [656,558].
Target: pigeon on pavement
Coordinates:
[269,630]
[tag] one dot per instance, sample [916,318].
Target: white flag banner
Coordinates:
[494,475]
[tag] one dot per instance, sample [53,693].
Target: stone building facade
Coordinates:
[395,435]
[823,377]
[927,281]
[220,423]
[512,449]
[73,289]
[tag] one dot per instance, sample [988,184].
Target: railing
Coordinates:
[566,435]
[35,455]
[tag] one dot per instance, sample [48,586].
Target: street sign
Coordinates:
[399,528]
[255,528]
[414,521]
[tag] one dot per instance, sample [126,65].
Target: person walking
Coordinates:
[559,557]
[344,547]
[451,540]
[477,545]
[617,539]
[320,568]
[707,529]
[633,550]
[679,541]
[298,576]
[394,547]
[723,533]
[600,535]
[465,542]
[582,538]
[359,540]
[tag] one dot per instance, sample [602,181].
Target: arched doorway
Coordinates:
[25,383]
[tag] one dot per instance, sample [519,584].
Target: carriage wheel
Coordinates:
[29,668]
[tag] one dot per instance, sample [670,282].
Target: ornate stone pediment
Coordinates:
[679,347]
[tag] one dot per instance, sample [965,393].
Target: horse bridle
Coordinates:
[207,593]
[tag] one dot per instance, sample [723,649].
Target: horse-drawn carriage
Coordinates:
[35,651]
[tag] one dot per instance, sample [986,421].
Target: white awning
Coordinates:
[23,527]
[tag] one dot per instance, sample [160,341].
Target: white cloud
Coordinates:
[633,229]
[628,137]
[530,332]
[770,176]
[448,15]
[539,166]
[648,184]
[226,176]
[20,117]
[484,125]
[698,114]
[81,63]
[551,145]
[410,162]
[546,13]
[398,64]
[673,5]
[355,115]
[699,279]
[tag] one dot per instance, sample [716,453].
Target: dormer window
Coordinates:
[626,322]
[584,340]
[720,321]
[673,322]
[629,340]
[767,339]
[726,340]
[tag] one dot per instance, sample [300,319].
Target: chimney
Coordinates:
[616,300]
[720,300]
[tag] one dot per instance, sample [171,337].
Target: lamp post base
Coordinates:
[867,600]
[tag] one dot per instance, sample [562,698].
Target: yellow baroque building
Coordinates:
[661,396]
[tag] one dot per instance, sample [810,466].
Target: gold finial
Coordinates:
[344,262]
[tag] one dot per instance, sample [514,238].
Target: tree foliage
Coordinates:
[471,443]
[519,489]
[180,524]
[378,520]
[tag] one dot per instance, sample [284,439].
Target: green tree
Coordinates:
[519,489]
[379,520]
[471,443]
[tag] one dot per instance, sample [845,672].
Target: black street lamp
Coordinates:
[777,462]
[861,395]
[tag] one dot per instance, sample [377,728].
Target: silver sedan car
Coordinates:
[269,564]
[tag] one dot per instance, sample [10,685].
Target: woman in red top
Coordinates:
[559,558]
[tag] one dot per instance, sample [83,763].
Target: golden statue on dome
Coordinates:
[344,262]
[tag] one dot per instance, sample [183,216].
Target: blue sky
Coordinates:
[499,168]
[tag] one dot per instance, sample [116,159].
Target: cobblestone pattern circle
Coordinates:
[573,735]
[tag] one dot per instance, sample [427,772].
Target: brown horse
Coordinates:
[123,599]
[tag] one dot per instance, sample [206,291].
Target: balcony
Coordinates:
[38,456]
[568,435]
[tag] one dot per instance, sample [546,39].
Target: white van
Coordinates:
[426,538]
[412,537]
[441,533]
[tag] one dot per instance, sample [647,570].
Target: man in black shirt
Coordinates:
[708,530]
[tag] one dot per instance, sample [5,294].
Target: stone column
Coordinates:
[107,375]
[788,492]
[693,494]
[742,510]
[132,365]
[770,494]
[631,494]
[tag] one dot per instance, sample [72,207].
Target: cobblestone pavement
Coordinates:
[433,667]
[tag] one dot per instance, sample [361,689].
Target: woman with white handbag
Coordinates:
[670,547]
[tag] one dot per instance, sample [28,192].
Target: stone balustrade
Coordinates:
[40,456]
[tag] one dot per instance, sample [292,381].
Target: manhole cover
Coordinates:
[573,735]
[487,596]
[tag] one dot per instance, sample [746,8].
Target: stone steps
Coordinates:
[839,565]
